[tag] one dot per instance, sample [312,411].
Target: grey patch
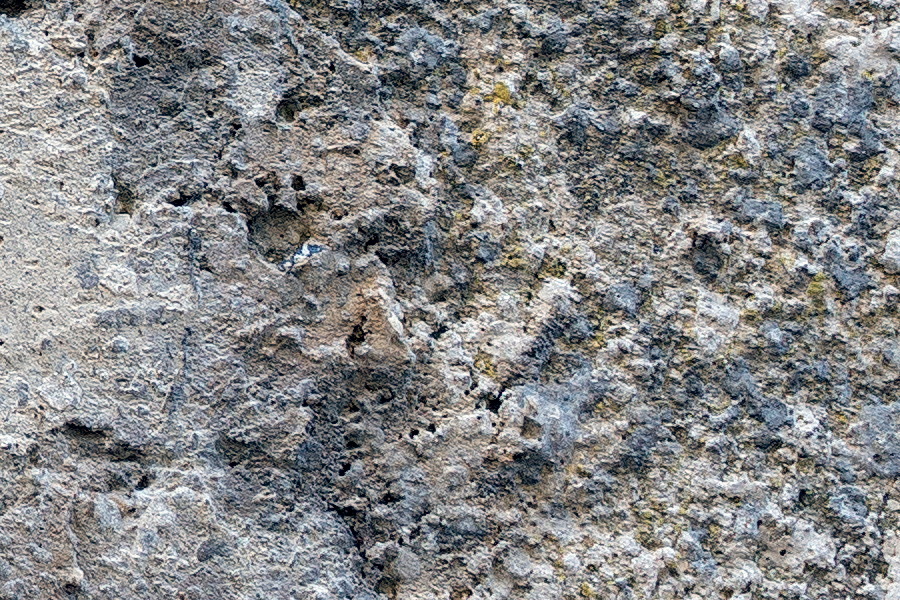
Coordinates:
[212,548]
[624,297]
[86,275]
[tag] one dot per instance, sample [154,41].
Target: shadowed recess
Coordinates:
[14,8]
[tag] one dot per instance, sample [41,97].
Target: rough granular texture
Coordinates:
[402,299]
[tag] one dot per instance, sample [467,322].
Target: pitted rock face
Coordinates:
[480,300]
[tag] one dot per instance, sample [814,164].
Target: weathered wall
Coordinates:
[417,300]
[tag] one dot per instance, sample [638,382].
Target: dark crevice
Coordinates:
[14,8]
[357,336]
[78,430]
[346,511]
[98,442]
[184,198]
[390,498]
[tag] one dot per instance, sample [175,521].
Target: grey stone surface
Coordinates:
[417,300]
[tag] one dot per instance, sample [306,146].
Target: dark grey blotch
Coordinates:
[86,276]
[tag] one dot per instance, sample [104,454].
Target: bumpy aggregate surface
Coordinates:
[403,299]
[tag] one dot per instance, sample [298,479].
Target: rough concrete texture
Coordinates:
[401,299]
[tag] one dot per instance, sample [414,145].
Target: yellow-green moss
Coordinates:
[501,94]
[514,257]
[485,364]
[480,137]
[816,288]
[806,465]
[598,341]
[750,315]
[363,55]
[552,268]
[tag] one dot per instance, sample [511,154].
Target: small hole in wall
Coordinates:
[347,511]
[184,198]
[286,111]
[297,183]
[141,61]
[14,8]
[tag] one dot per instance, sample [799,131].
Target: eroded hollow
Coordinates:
[14,8]
[277,234]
